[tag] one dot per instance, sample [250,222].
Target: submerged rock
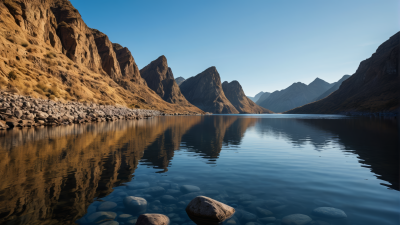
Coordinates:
[135,204]
[185,189]
[296,219]
[100,216]
[106,206]
[204,210]
[329,212]
[167,199]
[263,212]
[154,191]
[110,223]
[138,185]
[152,219]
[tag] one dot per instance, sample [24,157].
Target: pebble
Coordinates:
[135,204]
[167,199]
[185,189]
[154,191]
[296,219]
[99,216]
[263,212]
[106,206]
[329,212]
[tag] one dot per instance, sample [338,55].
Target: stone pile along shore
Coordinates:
[25,111]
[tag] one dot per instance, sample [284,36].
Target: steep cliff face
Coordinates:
[127,64]
[235,94]
[205,91]
[159,78]
[294,96]
[109,60]
[47,51]
[373,88]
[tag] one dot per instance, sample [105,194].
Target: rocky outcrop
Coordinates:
[109,60]
[335,87]
[235,94]
[205,91]
[20,111]
[179,80]
[295,95]
[128,66]
[47,51]
[205,210]
[373,88]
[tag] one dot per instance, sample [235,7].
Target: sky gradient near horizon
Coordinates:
[265,45]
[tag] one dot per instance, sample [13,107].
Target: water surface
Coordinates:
[59,175]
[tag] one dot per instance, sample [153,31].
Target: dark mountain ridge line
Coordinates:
[373,90]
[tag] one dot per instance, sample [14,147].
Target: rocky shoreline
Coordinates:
[25,111]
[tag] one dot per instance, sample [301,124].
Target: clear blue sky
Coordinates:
[266,45]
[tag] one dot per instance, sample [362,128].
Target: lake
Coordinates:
[286,164]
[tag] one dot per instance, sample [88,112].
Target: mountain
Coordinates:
[235,94]
[159,78]
[262,97]
[373,88]
[47,51]
[256,97]
[335,87]
[295,95]
[179,80]
[205,91]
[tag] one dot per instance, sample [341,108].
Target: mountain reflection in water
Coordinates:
[51,175]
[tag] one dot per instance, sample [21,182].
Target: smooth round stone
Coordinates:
[110,223]
[107,206]
[296,219]
[329,212]
[154,191]
[205,210]
[136,204]
[99,216]
[173,192]
[267,220]
[167,199]
[189,196]
[138,185]
[185,189]
[245,216]
[131,221]
[124,217]
[253,223]
[263,212]
[152,219]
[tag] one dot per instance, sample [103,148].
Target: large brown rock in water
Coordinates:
[152,219]
[235,94]
[205,210]
[205,91]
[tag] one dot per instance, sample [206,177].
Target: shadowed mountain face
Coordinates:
[262,97]
[335,87]
[295,95]
[235,94]
[179,80]
[159,78]
[257,96]
[373,88]
[205,91]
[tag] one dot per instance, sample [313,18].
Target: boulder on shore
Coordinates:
[205,210]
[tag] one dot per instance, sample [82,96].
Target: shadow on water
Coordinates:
[52,175]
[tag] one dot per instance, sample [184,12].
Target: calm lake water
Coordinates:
[284,163]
